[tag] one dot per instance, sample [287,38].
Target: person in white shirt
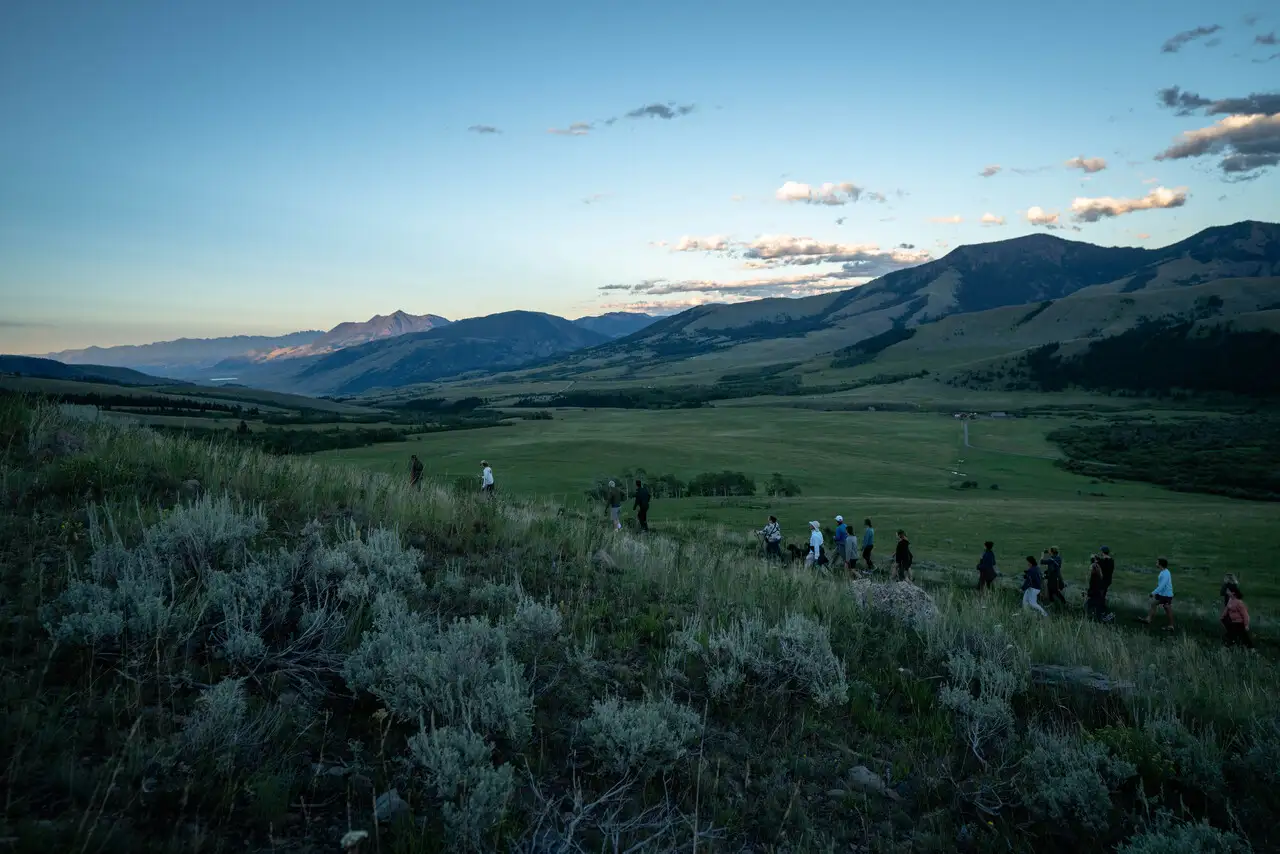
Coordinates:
[486,477]
[815,545]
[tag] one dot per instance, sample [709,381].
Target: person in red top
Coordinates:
[1235,619]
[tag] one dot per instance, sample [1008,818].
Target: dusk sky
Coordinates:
[206,169]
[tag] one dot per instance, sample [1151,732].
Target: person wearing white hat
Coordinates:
[815,545]
[614,500]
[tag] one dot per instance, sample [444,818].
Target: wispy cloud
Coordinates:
[575,129]
[1087,164]
[483,129]
[826,194]
[668,111]
[992,219]
[988,171]
[954,219]
[1266,38]
[1030,170]
[1249,143]
[717,243]
[1177,42]
[1105,207]
[1037,215]
[1143,236]
[1184,103]
[594,198]
[840,220]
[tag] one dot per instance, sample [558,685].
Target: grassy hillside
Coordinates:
[30,366]
[257,666]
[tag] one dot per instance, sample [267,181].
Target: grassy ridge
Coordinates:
[669,692]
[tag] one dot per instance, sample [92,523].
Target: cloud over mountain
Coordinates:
[1087,164]
[1248,142]
[1092,210]
[992,219]
[1037,215]
[825,194]
[1176,42]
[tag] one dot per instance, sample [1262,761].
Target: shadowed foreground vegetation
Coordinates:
[207,648]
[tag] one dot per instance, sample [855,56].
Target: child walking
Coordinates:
[1235,619]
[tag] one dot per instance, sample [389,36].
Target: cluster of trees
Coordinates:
[724,483]
[868,348]
[1238,457]
[1163,356]
[147,404]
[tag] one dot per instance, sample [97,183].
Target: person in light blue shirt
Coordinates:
[1162,596]
[868,543]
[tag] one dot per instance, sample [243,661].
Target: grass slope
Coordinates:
[249,669]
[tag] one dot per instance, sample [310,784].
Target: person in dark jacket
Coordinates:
[1052,561]
[1031,584]
[1095,603]
[642,505]
[868,544]
[1108,566]
[902,556]
[415,472]
[987,567]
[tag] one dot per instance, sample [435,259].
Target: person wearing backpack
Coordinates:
[902,557]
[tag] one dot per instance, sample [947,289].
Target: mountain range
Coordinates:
[977,305]
[963,285]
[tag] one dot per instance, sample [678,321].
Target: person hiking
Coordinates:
[1052,561]
[868,543]
[1228,581]
[987,566]
[772,534]
[842,540]
[415,472]
[815,545]
[642,505]
[1031,584]
[613,499]
[1162,596]
[902,557]
[486,478]
[1235,619]
[1108,566]
[1095,602]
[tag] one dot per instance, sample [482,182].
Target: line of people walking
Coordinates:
[848,546]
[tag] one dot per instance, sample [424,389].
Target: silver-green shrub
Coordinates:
[1166,836]
[458,765]
[639,738]
[983,680]
[221,728]
[1065,778]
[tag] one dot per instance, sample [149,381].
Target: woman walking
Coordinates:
[1235,619]
[1031,584]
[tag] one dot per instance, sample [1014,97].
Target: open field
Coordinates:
[901,469]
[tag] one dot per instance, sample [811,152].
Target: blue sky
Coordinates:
[208,169]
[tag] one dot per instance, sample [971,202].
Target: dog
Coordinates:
[796,553]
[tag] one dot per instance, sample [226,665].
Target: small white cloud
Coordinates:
[954,219]
[826,194]
[736,198]
[1143,236]
[575,129]
[992,219]
[988,171]
[1037,215]
[1092,210]
[716,243]
[1087,164]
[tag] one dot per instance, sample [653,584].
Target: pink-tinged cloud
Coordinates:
[575,129]
[1249,143]
[992,219]
[1087,164]
[1092,210]
[954,219]
[716,243]
[988,171]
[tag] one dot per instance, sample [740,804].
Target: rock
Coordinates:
[191,488]
[869,782]
[353,838]
[1079,676]
[389,805]
[899,599]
